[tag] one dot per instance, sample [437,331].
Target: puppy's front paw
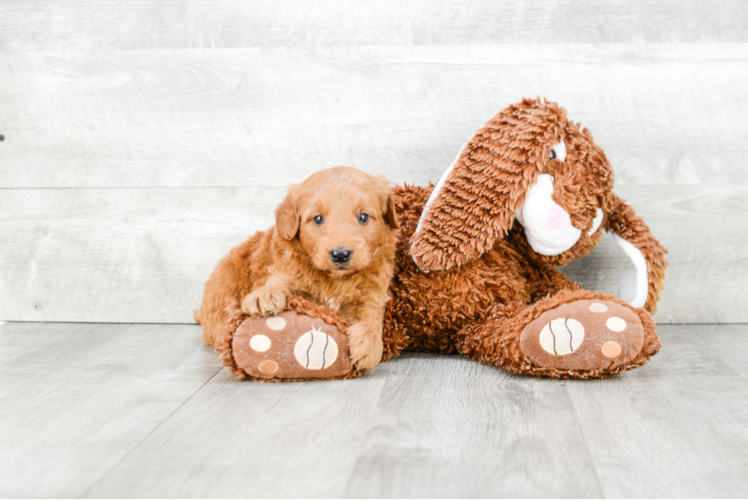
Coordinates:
[365,345]
[264,302]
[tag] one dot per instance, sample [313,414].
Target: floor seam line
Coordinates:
[137,445]
[584,440]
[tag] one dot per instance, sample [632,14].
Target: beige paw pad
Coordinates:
[561,336]
[268,367]
[260,343]
[316,350]
[616,324]
[611,349]
[597,307]
[276,323]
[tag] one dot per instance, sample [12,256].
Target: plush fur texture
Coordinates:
[468,280]
[318,216]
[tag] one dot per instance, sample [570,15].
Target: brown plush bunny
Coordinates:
[477,257]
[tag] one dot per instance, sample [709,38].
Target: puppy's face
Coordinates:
[341,217]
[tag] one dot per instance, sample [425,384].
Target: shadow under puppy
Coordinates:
[333,242]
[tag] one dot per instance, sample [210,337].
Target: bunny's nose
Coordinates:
[340,255]
[558,218]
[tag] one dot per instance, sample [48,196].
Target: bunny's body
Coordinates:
[477,256]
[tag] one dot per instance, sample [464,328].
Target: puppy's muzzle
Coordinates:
[340,255]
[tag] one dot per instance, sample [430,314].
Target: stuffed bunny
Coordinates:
[477,257]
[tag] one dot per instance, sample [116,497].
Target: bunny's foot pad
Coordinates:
[584,335]
[304,342]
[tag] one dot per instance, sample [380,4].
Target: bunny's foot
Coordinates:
[584,335]
[304,342]
[576,334]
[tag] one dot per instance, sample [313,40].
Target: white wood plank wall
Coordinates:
[143,139]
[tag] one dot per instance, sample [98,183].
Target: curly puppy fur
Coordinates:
[474,261]
[341,209]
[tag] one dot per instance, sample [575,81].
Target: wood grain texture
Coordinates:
[482,433]
[704,441]
[120,255]
[419,426]
[253,440]
[665,114]
[127,413]
[45,25]
[143,255]
[75,399]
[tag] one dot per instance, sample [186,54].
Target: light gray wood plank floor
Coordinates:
[118,410]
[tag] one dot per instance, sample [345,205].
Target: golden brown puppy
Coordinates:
[333,242]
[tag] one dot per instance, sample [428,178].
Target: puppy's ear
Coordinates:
[390,215]
[287,216]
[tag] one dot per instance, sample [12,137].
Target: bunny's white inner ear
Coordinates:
[596,222]
[437,190]
[634,284]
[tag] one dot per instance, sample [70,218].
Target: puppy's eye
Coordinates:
[363,218]
[318,219]
[558,152]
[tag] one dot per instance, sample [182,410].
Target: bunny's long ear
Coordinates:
[641,284]
[476,199]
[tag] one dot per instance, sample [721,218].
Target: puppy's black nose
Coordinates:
[340,255]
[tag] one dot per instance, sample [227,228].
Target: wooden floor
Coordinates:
[130,410]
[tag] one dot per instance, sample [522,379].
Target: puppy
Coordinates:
[333,242]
